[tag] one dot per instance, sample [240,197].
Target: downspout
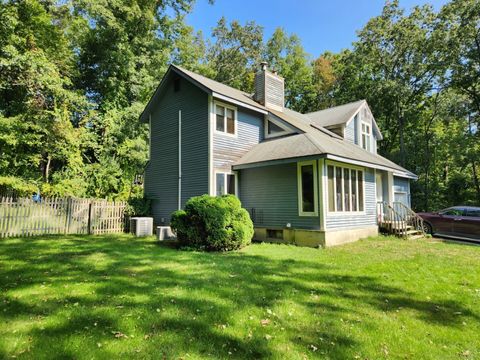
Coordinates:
[179,159]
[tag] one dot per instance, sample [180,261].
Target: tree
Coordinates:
[286,55]
[235,53]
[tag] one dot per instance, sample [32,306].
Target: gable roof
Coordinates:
[340,115]
[316,142]
[337,115]
[313,137]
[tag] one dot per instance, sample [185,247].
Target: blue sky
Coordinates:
[321,24]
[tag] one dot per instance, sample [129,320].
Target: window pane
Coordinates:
[307,189]
[220,180]
[220,111]
[346,190]
[338,176]
[231,184]
[473,212]
[331,194]
[273,129]
[353,175]
[360,190]
[230,121]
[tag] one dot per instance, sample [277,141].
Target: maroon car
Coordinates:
[456,221]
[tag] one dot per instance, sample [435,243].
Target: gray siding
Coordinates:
[161,175]
[350,131]
[271,192]
[345,220]
[228,149]
[402,185]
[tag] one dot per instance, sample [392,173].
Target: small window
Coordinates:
[307,188]
[274,129]
[275,234]
[176,85]
[225,183]
[225,119]
[220,112]
[366,135]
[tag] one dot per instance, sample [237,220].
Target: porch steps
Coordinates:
[399,220]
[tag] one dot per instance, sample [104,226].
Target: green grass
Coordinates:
[121,297]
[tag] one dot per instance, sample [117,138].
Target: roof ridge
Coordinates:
[314,142]
[210,79]
[335,107]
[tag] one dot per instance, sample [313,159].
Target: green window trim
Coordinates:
[307,183]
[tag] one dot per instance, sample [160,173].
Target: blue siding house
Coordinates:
[309,179]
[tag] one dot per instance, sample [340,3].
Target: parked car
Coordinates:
[456,221]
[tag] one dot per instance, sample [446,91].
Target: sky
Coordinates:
[320,24]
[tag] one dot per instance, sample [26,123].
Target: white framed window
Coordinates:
[366,135]
[225,119]
[307,188]
[345,189]
[275,128]
[225,183]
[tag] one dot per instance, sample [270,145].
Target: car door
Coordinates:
[469,224]
[444,224]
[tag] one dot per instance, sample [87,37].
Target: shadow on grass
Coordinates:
[92,290]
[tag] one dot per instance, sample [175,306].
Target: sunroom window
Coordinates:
[345,189]
[225,118]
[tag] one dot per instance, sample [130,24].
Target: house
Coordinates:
[310,179]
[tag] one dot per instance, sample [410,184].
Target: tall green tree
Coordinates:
[286,55]
[235,53]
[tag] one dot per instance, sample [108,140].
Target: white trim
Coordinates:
[235,119]
[285,131]
[322,194]
[342,197]
[234,173]
[179,159]
[370,165]
[315,188]
[239,103]
[367,134]
[211,118]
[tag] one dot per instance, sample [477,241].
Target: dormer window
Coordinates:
[366,134]
[225,119]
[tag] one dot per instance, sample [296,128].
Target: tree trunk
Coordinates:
[475,180]
[46,168]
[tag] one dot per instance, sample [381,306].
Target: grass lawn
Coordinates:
[116,296]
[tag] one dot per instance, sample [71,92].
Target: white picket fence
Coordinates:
[24,217]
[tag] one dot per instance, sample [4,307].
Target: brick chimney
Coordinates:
[269,88]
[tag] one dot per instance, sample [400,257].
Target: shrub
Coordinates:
[213,224]
[137,204]
[11,185]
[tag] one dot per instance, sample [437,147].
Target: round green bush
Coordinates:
[213,223]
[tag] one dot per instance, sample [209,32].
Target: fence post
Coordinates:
[69,215]
[89,218]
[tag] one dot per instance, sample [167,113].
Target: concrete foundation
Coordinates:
[316,238]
